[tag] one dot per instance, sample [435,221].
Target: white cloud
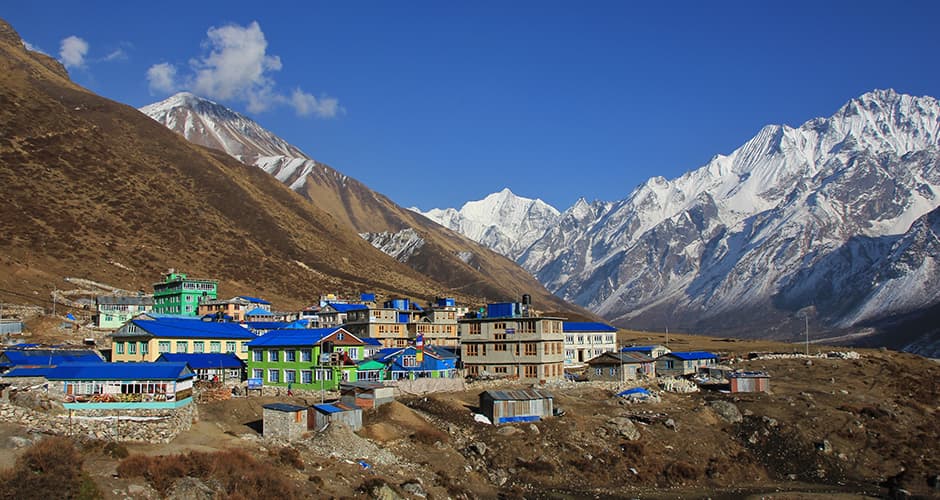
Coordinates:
[116,55]
[162,78]
[34,48]
[72,52]
[236,66]
[306,104]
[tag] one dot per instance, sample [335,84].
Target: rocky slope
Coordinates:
[95,189]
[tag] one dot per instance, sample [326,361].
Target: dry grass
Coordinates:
[51,468]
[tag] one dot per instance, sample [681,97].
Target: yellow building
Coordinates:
[147,339]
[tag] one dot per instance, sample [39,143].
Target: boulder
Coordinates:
[728,411]
[624,427]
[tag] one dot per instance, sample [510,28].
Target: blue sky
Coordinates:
[437,103]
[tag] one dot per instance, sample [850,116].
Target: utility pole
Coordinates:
[806,317]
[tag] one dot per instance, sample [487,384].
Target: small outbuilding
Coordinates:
[528,405]
[326,414]
[620,366]
[749,381]
[283,421]
[653,351]
[366,394]
[678,364]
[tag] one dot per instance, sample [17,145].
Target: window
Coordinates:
[244,346]
[531,371]
[199,346]
[409,361]
[189,298]
[306,355]
[230,347]
[500,369]
[499,347]
[189,309]
[273,356]
[132,347]
[324,374]
[257,373]
[290,356]
[215,347]
[257,356]
[473,349]
[499,325]
[163,346]
[119,347]
[527,326]
[144,348]
[613,371]
[290,376]
[531,349]
[474,328]
[353,353]
[182,346]
[306,376]
[274,375]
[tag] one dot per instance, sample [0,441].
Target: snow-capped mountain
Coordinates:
[210,124]
[457,262]
[502,221]
[826,219]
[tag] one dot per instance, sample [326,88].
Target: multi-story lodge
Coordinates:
[586,341]
[510,342]
[317,358]
[115,310]
[236,308]
[177,294]
[400,321]
[147,339]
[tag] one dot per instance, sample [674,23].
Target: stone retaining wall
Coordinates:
[144,425]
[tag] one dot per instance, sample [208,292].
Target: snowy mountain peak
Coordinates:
[503,221]
[213,125]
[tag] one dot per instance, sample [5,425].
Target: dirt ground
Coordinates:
[828,428]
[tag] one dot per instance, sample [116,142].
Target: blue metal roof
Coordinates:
[692,355]
[346,307]
[112,371]
[296,337]
[284,407]
[182,328]
[203,361]
[371,341]
[27,372]
[265,325]
[254,300]
[46,357]
[328,408]
[574,326]
[259,312]
[635,390]
[638,348]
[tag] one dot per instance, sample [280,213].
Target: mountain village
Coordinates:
[158,348]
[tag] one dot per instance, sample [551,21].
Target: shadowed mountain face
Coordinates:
[460,264]
[95,189]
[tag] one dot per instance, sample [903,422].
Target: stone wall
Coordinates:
[143,425]
[427,385]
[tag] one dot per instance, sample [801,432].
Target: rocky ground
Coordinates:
[829,427]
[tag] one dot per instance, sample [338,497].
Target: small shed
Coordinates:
[366,394]
[621,366]
[325,414]
[749,381]
[527,405]
[284,421]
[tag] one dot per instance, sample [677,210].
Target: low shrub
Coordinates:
[51,468]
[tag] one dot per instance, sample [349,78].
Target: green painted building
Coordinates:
[177,294]
[311,359]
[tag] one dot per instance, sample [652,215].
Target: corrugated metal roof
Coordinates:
[328,408]
[117,371]
[574,326]
[297,337]
[254,300]
[639,348]
[284,407]
[748,375]
[259,312]
[346,307]
[692,355]
[184,328]
[371,341]
[519,395]
[622,357]
[47,357]
[265,325]
[202,361]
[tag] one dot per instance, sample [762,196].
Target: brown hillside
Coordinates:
[95,189]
